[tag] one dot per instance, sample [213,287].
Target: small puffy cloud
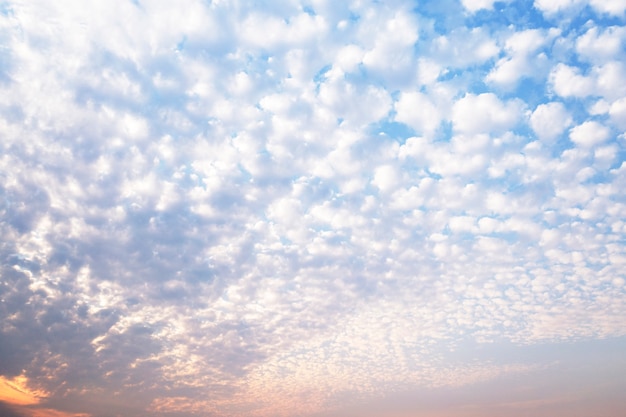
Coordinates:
[610,80]
[607,80]
[599,107]
[484,113]
[462,224]
[549,120]
[386,178]
[418,111]
[589,134]
[488,225]
[567,82]
[349,57]
[361,105]
[463,47]
[269,31]
[552,7]
[529,40]
[390,56]
[598,45]
[418,148]
[475,5]
[617,112]
[611,7]
[524,58]
[428,71]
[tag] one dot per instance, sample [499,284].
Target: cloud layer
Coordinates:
[284,208]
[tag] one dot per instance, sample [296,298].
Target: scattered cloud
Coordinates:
[286,208]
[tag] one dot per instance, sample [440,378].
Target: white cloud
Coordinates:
[604,80]
[484,113]
[348,101]
[552,7]
[601,45]
[428,71]
[611,80]
[549,120]
[475,5]
[524,58]
[463,47]
[599,107]
[589,134]
[269,31]
[349,57]
[613,7]
[617,111]
[386,178]
[418,111]
[567,82]
[390,56]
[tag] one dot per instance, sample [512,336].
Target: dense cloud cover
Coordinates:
[283,208]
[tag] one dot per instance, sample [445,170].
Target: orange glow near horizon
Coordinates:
[47,412]
[16,391]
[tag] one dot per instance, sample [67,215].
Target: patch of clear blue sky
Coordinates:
[520,14]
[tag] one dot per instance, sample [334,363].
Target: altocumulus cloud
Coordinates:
[239,208]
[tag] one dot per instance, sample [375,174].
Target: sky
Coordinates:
[360,208]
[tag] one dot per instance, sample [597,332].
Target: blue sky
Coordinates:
[320,208]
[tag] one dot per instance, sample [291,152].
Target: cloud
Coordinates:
[599,46]
[463,47]
[617,111]
[549,120]
[475,5]
[525,57]
[286,208]
[614,8]
[589,134]
[8,411]
[416,110]
[16,391]
[568,82]
[551,8]
[484,113]
[389,53]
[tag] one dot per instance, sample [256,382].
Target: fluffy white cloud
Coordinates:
[611,80]
[617,111]
[551,7]
[349,57]
[599,45]
[603,80]
[524,57]
[484,113]
[475,5]
[549,120]
[418,111]
[568,82]
[390,53]
[589,134]
[463,47]
[613,7]
[269,31]
[386,178]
